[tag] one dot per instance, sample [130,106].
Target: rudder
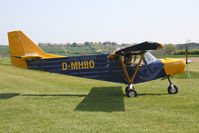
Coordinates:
[20,45]
[22,48]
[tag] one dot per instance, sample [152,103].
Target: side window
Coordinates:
[149,58]
[132,60]
[128,60]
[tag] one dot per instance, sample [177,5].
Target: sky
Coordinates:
[121,21]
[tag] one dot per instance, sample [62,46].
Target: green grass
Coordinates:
[194,66]
[34,101]
[193,70]
[4,48]
[4,51]
[69,51]
[5,61]
[52,49]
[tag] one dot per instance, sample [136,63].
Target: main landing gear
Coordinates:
[172,89]
[130,91]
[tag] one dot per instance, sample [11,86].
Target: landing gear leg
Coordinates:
[172,89]
[130,91]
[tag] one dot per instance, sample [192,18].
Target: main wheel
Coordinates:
[131,93]
[172,89]
[127,88]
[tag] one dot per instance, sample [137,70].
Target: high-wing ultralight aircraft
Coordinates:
[131,65]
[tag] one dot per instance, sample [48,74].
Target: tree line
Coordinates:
[75,44]
[180,49]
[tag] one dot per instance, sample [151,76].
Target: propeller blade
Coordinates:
[186,53]
[188,72]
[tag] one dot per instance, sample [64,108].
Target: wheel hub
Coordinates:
[131,94]
[173,90]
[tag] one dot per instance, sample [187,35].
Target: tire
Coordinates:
[131,93]
[174,90]
[127,88]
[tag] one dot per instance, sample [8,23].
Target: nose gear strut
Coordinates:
[172,89]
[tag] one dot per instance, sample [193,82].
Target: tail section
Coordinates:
[22,48]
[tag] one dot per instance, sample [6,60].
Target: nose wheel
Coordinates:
[130,91]
[172,89]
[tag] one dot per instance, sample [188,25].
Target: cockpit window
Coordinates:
[149,58]
[133,60]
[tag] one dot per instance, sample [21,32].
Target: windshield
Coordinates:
[149,58]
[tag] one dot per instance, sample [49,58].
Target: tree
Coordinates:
[87,43]
[170,49]
[74,45]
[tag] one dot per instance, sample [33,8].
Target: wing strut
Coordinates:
[125,70]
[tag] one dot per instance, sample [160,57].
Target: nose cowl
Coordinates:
[173,66]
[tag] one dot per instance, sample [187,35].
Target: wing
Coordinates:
[145,46]
[138,49]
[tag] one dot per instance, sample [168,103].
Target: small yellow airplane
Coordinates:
[131,65]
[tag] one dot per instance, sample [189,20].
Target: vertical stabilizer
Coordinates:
[20,45]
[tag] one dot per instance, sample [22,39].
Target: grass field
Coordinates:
[34,101]
[65,51]
[69,51]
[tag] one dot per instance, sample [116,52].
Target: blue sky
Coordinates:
[122,21]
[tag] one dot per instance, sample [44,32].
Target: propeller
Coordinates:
[187,61]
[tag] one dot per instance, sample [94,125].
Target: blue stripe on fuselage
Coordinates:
[97,67]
